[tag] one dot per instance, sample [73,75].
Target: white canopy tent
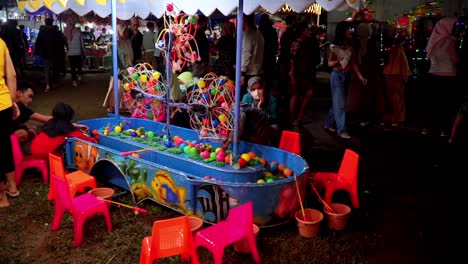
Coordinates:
[142,8]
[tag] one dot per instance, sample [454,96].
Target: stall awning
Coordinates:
[142,8]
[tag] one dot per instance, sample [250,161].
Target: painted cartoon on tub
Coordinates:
[215,202]
[167,192]
[85,156]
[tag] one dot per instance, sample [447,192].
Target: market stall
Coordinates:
[171,155]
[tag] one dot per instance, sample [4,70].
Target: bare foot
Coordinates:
[3,200]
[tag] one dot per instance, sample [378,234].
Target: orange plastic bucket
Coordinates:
[242,246]
[196,224]
[338,220]
[103,193]
[309,227]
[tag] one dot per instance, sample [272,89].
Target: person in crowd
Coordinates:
[137,42]
[14,41]
[443,90]
[226,45]
[25,45]
[50,46]
[158,55]
[149,41]
[124,44]
[270,37]
[252,52]
[259,98]
[365,102]
[101,39]
[396,71]
[24,96]
[284,60]
[304,58]
[342,61]
[55,132]
[200,68]
[8,112]
[76,50]
[458,121]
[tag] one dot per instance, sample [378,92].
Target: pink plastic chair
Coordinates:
[291,141]
[81,207]
[237,226]
[170,237]
[344,179]
[23,162]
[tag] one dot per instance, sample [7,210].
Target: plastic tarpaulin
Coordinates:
[142,8]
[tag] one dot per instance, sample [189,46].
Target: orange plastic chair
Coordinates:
[81,208]
[23,162]
[77,180]
[237,226]
[170,237]
[291,141]
[344,179]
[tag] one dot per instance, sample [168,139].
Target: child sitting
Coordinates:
[55,132]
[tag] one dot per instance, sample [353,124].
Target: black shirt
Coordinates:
[25,114]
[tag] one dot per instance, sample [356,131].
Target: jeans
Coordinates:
[76,64]
[337,116]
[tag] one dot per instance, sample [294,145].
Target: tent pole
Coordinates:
[168,84]
[240,25]
[115,65]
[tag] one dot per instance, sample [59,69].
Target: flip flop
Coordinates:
[12,195]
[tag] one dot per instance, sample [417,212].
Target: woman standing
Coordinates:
[76,50]
[8,112]
[443,90]
[342,60]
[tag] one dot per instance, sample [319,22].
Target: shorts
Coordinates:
[6,154]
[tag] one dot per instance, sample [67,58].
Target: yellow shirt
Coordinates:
[5,97]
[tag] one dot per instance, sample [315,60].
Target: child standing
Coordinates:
[55,132]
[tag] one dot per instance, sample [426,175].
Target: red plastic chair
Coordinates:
[170,237]
[291,141]
[237,226]
[77,180]
[23,162]
[344,179]
[81,207]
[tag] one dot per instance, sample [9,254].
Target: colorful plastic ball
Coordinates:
[126,87]
[164,137]
[205,154]
[169,7]
[251,154]
[136,155]
[270,180]
[135,76]
[263,161]
[227,159]
[201,83]
[182,146]
[150,134]
[224,106]
[195,142]
[215,123]
[222,118]
[281,167]
[168,143]
[206,122]
[260,181]
[246,157]
[213,155]
[193,151]
[134,134]
[187,149]
[207,177]
[203,133]
[214,92]
[150,116]
[242,162]
[220,158]
[131,70]
[118,129]
[221,152]
[287,172]
[156,75]
[218,149]
[95,132]
[143,78]
[268,174]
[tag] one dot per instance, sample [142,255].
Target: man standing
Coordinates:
[200,68]
[252,52]
[149,40]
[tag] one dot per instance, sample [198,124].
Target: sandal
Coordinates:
[12,195]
